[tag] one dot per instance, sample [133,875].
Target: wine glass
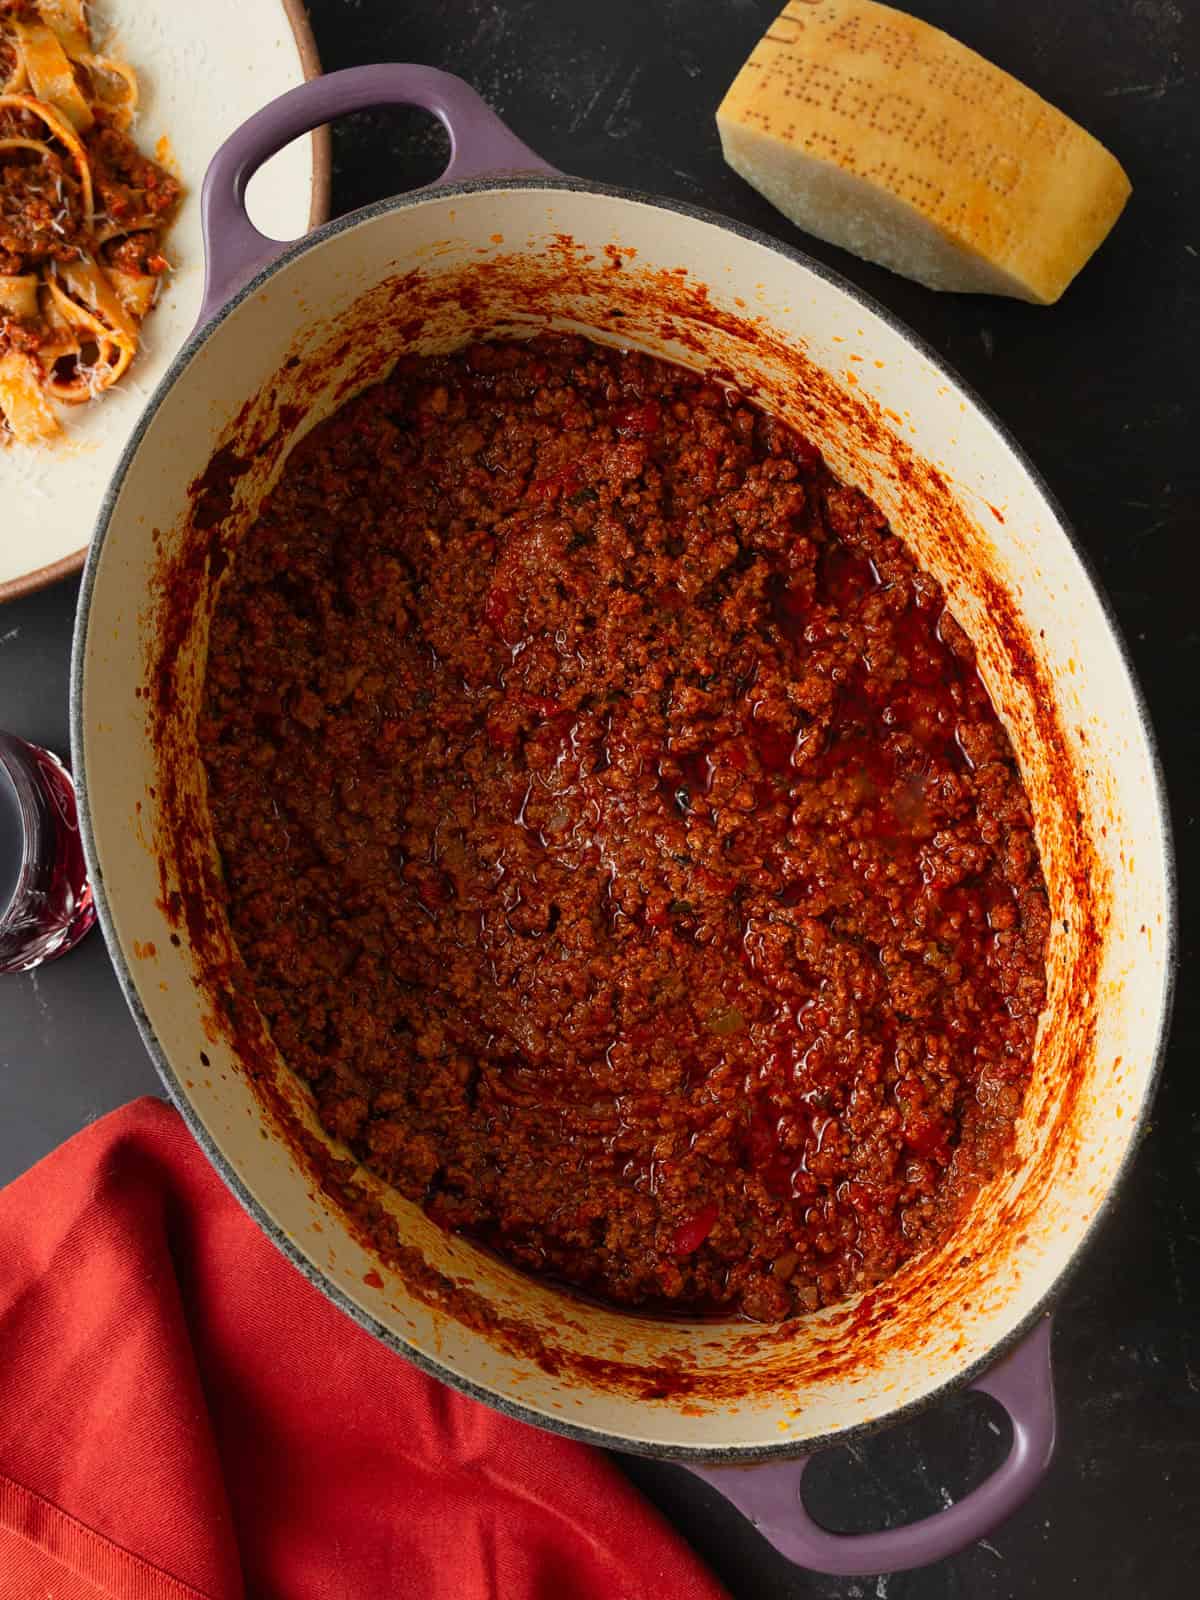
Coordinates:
[46,903]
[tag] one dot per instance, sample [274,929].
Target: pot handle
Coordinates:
[770,1495]
[234,249]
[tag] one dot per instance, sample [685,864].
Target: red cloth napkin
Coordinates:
[182,1416]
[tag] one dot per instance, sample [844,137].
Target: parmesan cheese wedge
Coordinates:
[879,133]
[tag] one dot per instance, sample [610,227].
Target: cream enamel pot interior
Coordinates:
[503,246]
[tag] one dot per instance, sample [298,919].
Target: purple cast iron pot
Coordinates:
[288,331]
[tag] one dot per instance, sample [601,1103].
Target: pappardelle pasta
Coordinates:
[82,217]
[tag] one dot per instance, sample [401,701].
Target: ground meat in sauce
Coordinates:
[618,836]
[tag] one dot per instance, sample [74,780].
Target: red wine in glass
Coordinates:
[46,902]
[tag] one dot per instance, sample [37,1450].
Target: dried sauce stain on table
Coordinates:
[618,836]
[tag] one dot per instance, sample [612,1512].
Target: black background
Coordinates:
[1102,392]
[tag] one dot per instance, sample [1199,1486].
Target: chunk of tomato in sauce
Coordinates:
[694,1230]
[497,605]
[637,421]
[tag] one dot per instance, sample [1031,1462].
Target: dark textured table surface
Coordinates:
[1102,392]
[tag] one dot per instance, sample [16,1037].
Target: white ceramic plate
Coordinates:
[203,69]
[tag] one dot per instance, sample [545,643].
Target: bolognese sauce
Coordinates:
[618,836]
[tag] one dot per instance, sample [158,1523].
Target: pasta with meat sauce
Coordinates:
[82,215]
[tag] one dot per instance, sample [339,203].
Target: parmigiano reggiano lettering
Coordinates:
[884,135]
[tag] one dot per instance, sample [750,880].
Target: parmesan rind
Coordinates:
[878,133]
